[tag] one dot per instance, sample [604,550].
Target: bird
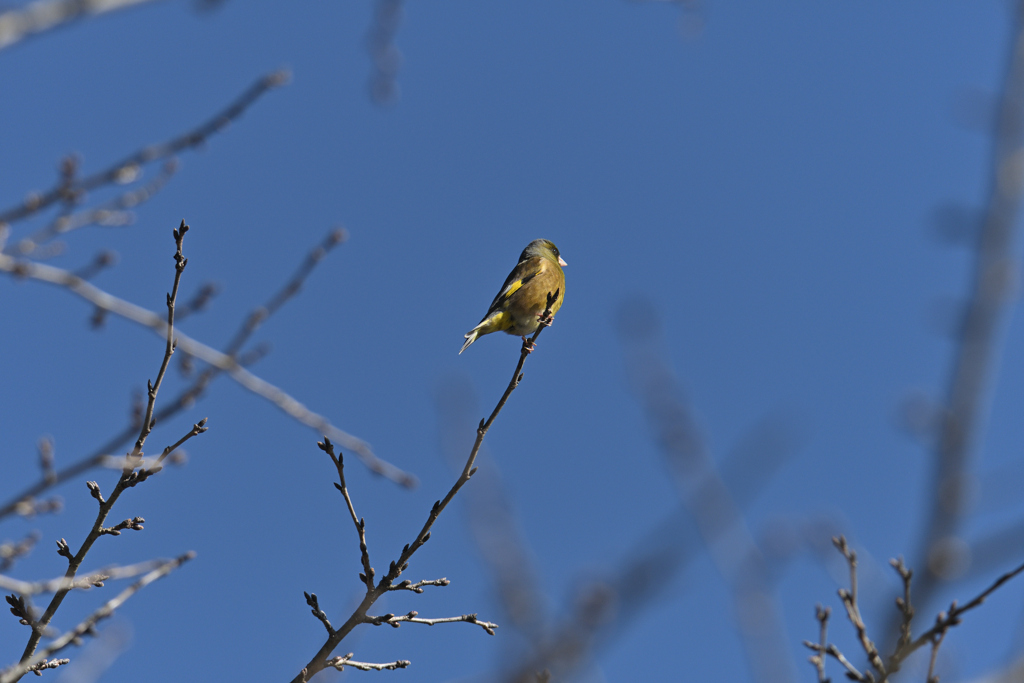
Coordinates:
[523,298]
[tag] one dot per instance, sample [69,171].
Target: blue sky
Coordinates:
[769,186]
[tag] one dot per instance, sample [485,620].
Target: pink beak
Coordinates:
[561,261]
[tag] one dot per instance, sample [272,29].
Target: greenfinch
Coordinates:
[524,296]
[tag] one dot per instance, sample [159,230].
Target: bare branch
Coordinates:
[51,664]
[314,604]
[367,576]
[411,617]
[905,646]
[936,643]
[851,670]
[321,659]
[849,598]
[906,608]
[179,267]
[946,620]
[818,660]
[340,663]
[418,586]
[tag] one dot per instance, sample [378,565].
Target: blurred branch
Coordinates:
[387,583]
[491,518]
[292,287]
[977,345]
[112,212]
[87,626]
[128,168]
[191,393]
[384,55]
[221,361]
[603,608]
[995,549]
[704,493]
[94,579]
[10,552]
[102,260]
[45,15]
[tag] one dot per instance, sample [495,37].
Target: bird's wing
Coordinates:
[520,275]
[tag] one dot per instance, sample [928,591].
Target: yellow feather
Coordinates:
[513,288]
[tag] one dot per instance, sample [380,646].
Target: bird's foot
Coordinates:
[528,346]
[545,320]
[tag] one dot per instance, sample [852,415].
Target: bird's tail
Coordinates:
[470,338]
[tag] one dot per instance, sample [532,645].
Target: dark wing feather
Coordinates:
[524,272]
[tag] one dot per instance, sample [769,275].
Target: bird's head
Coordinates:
[544,248]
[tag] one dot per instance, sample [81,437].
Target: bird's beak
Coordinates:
[561,261]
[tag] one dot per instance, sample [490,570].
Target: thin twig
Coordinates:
[339,463]
[340,663]
[936,643]
[129,477]
[197,429]
[418,586]
[147,421]
[833,651]
[905,646]
[314,605]
[821,614]
[48,664]
[906,608]
[951,618]
[849,598]
[411,617]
